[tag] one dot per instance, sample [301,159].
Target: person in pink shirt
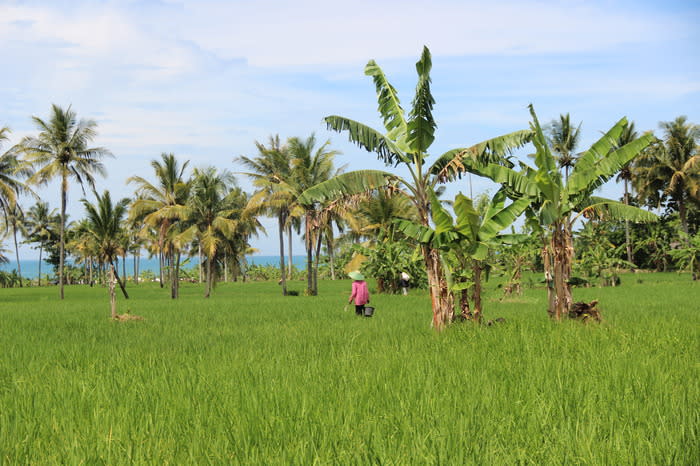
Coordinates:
[360,292]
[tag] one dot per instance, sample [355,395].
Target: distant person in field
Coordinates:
[360,292]
[405,278]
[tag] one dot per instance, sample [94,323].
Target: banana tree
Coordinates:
[406,142]
[557,203]
[469,236]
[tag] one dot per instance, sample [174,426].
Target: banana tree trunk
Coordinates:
[112,294]
[548,276]
[628,242]
[441,297]
[466,312]
[477,290]
[562,251]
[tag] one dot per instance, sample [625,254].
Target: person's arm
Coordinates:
[352,295]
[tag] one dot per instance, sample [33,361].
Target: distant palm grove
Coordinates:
[543,216]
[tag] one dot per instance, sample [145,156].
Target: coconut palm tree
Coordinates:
[563,139]
[669,171]
[12,171]
[42,226]
[214,213]
[625,175]
[406,142]
[62,150]
[311,167]
[105,227]
[373,218]
[14,223]
[267,169]
[154,206]
[557,203]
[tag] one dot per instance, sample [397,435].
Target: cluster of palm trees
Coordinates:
[169,217]
[207,215]
[281,173]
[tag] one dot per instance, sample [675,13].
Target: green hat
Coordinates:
[356,275]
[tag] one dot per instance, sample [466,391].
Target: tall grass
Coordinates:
[249,376]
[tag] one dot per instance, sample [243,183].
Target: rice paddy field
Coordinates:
[251,377]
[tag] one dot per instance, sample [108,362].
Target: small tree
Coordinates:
[469,237]
[105,226]
[688,255]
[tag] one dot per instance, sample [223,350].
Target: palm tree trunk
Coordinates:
[683,215]
[14,233]
[41,249]
[161,265]
[225,267]
[319,240]
[124,266]
[309,252]
[62,230]
[137,258]
[121,284]
[199,256]
[209,277]
[329,242]
[90,266]
[175,284]
[291,259]
[283,271]
[112,294]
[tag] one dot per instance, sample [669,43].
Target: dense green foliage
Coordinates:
[253,377]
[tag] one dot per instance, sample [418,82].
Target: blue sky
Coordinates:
[205,79]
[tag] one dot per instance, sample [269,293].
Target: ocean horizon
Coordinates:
[30,268]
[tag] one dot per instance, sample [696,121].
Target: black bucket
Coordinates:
[369,311]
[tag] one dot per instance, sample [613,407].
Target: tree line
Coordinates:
[378,220]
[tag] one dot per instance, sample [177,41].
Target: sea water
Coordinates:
[30,268]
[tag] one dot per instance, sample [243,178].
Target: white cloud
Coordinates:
[204,79]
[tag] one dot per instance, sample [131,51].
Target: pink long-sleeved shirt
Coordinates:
[359,292]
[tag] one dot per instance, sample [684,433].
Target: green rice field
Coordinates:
[251,377]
